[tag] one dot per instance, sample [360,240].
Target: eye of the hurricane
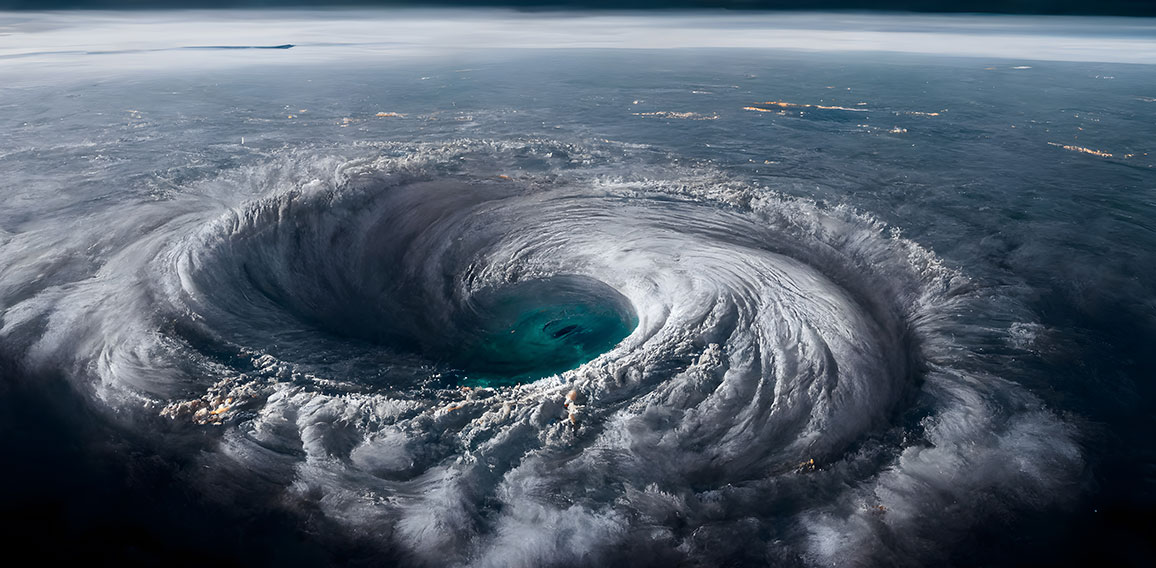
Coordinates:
[537,328]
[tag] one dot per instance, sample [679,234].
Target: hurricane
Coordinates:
[506,289]
[524,352]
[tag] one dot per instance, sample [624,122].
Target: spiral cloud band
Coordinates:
[531,353]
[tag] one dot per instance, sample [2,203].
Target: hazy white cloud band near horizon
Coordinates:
[30,38]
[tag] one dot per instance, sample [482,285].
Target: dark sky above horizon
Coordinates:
[1059,7]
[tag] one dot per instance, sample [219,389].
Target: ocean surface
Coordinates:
[500,289]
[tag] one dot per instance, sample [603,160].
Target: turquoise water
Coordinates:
[540,328]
